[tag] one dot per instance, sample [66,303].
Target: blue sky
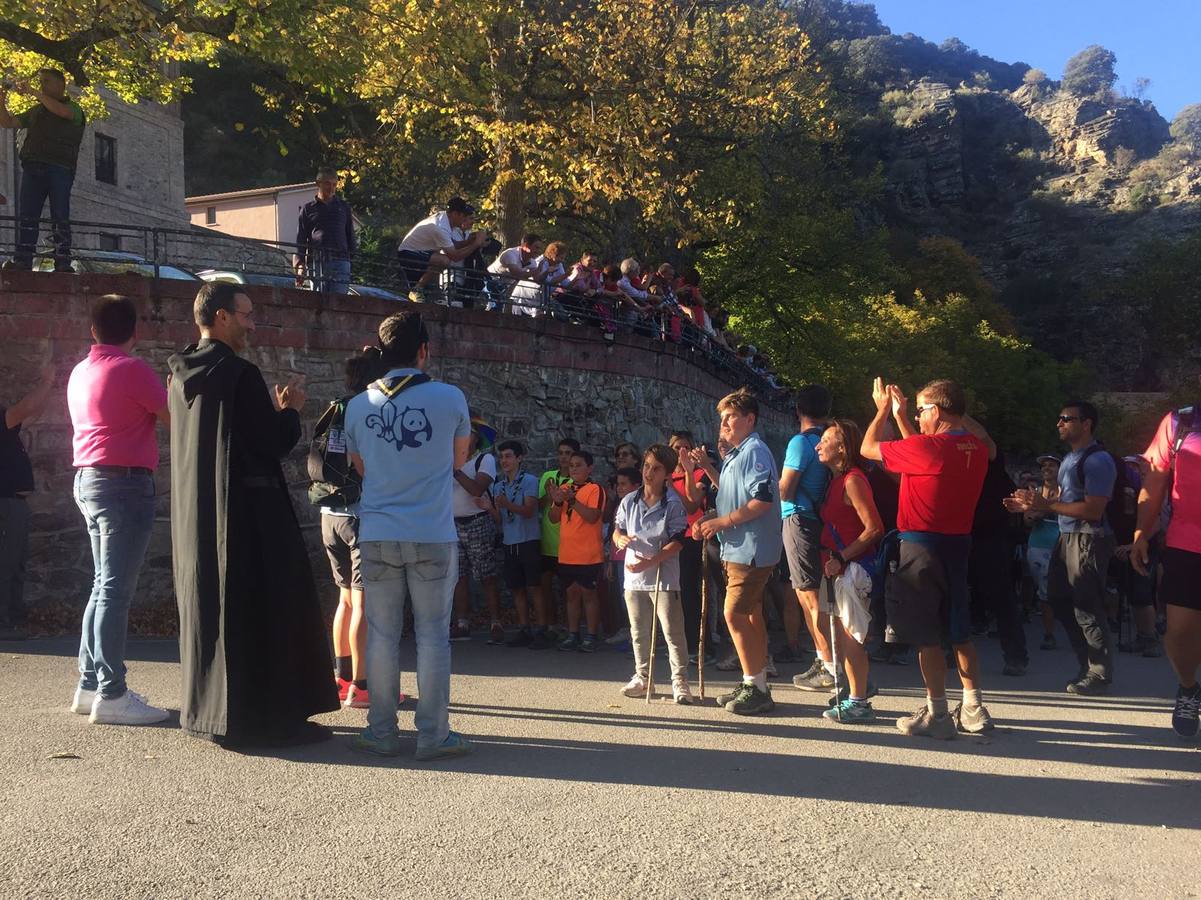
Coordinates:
[1156,39]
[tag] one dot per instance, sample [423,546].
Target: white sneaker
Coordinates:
[730,662]
[82,703]
[681,693]
[623,634]
[128,709]
[636,687]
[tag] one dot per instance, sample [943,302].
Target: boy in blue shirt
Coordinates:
[515,510]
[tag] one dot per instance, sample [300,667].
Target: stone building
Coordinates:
[130,174]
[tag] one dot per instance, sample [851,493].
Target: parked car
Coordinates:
[114,262]
[366,290]
[235,277]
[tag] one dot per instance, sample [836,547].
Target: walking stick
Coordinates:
[834,646]
[650,669]
[700,649]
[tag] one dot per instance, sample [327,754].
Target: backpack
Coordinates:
[1185,421]
[1121,512]
[335,483]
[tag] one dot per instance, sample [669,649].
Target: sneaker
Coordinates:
[366,742]
[521,639]
[844,693]
[972,719]
[681,693]
[848,712]
[1089,686]
[460,632]
[571,642]
[1149,646]
[588,645]
[1188,708]
[357,698]
[128,709]
[635,687]
[1048,642]
[752,702]
[731,696]
[454,745]
[814,667]
[343,688]
[81,703]
[786,656]
[710,658]
[730,663]
[539,641]
[821,680]
[922,723]
[772,671]
[1015,668]
[623,634]
[496,635]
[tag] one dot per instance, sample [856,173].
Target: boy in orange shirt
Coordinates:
[578,509]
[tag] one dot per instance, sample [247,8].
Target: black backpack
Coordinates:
[1121,512]
[335,483]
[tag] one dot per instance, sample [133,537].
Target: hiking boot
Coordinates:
[972,719]
[821,680]
[1089,686]
[752,702]
[1014,668]
[571,642]
[730,662]
[496,634]
[681,693]
[588,645]
[539,641]
[731,696]
[521,639]
[1188,708]
[848,712]
[923,723]
[1048,642]
[454,745]
[635,687]
[844,693]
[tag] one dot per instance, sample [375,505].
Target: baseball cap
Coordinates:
[459,205]
[1049,457]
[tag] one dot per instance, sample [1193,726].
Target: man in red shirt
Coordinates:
[942,472]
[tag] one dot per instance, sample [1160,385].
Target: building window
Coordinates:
[210,215]
[106,159]
[110,241]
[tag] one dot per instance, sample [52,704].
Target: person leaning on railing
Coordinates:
[430,246]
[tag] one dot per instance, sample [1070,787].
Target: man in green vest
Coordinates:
[53,132]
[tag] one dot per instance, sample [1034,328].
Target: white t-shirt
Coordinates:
[527,295]
[456,235]
[462,503]
[430,234]
[510,257]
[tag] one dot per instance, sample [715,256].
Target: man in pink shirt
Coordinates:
[114,399]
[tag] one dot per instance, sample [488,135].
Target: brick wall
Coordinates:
[533,379]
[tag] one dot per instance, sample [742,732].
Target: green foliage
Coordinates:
[1164,280]
[1090,72]
[1186,127]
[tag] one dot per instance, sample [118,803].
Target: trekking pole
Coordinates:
[650,669]
[834,646]
[700,647]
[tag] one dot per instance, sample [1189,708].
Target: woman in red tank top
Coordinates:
[851,527]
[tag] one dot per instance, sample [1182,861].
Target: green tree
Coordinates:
[1090,72]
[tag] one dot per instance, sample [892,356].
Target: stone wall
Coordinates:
[534,379]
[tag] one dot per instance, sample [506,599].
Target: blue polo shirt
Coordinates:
[749,472]
[801,455]
[651,528]
[517,529]
[407,444]
[1099,476]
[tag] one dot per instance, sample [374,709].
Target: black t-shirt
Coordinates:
[16,471]
[991,519]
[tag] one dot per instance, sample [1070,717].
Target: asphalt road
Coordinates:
[576,791]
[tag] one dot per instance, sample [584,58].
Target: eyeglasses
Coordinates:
[921,409]
[1068,419]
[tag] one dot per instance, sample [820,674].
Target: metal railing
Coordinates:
[178,253]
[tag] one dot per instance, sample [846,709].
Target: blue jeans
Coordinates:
[119,512]
[331,276]
[425,575]
[41,182]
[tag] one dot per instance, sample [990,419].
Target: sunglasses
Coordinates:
[921,409]
[1067,419]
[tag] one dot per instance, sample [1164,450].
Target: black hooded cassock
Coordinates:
[256,662]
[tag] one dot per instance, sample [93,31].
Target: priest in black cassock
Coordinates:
[256,663]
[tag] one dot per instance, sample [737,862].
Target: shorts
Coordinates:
[413,263]
[523,565]
[927,600]
[1181,584]
[477,551]
[550,564]
[340,537]
[745,586]
[585,576]
[802,547]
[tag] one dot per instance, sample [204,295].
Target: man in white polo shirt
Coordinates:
[430,246]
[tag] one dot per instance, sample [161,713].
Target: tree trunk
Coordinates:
[509,195]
